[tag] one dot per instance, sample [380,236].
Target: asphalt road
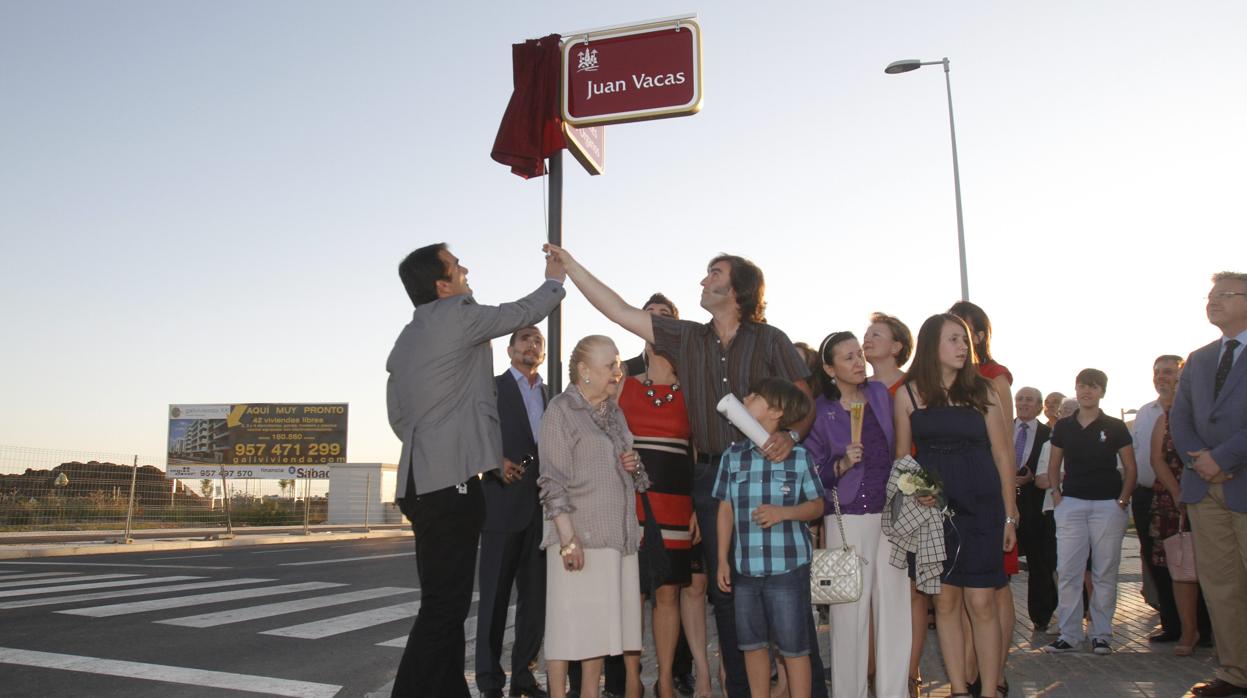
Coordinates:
[317,619]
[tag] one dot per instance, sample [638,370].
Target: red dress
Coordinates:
[990,371]
[659,426]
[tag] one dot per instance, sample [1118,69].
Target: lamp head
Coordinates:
[902,66]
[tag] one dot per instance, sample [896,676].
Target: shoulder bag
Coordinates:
[836,573]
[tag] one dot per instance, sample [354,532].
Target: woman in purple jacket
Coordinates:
[859,472]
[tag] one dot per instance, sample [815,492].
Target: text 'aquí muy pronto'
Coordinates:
[640,82]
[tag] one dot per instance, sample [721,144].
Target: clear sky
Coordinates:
[207,201]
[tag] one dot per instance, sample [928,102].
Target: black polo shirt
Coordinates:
[1090,470]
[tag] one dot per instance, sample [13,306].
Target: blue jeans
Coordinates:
[773,609]
[707,509]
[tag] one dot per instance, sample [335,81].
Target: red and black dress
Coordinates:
[658,421]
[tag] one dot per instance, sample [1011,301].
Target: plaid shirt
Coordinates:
[746,480]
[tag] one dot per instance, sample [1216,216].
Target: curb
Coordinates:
[104,548]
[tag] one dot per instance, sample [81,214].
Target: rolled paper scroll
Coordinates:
[736,413]
[856,411]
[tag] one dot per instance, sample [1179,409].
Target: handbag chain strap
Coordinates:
[835,501]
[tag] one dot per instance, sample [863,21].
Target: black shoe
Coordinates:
[1163,637]
[684,685]
[533,691]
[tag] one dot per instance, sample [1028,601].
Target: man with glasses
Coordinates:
[1209,427]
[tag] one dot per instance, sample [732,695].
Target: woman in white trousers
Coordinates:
[858,470]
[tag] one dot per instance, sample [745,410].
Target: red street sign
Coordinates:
[652,71]
[588,146]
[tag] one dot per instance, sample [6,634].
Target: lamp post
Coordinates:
[904,66]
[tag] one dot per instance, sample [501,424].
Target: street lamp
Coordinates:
[904,66]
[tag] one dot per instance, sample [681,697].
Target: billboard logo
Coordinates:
[587,61]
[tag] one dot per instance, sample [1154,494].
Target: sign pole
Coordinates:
[134,473]
[229,524]
[554,343]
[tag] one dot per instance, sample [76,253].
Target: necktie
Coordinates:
[1223,368]
[1019,443]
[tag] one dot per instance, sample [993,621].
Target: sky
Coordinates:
[207,202]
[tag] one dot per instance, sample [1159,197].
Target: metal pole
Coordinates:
[554,343]
[229,524]
[130,506]
[307,503]
[367,497]
[961,231]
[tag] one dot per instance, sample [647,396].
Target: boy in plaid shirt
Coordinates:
[763,509]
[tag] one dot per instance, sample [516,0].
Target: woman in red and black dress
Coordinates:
[1002,380]
[654,407]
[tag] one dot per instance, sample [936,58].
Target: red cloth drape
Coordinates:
[531,127]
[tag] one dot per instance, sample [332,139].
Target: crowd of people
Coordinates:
[629,490]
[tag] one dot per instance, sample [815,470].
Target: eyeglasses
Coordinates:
[1224,295]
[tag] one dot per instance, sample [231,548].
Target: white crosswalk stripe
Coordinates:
[63,578]
[169,674]
[6,576]
[337,625]
[118,609]
[92,585]
[469,632]
[94,596]
[239,615]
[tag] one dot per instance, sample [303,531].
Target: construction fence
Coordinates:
[58,490]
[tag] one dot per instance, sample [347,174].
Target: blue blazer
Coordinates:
[1197,421]
[512,507]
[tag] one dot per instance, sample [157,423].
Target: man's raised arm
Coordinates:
[602,297]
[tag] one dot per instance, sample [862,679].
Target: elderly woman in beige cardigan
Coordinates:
[589,479]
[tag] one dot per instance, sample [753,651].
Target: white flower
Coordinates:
[907,484]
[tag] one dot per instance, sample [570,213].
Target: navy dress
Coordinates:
[952,442]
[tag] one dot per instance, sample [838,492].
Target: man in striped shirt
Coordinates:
[725,355]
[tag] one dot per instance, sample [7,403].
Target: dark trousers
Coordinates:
[447,526]
[1170,623]
[1037,534]
[707,510]
[510,557]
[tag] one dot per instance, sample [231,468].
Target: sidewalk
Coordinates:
[1135,669]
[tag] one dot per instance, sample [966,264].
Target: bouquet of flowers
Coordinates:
[921,483]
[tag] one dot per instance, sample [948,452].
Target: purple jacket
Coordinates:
[830,435]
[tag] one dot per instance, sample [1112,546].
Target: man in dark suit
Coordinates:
[441,403]
[511,535]
[1036,532]
[1208,423]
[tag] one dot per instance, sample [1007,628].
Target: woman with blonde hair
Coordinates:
[590,475]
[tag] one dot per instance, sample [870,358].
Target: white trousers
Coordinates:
[1087,527]
[885,590]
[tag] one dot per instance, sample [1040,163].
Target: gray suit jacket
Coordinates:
[1198,422]
[440,395]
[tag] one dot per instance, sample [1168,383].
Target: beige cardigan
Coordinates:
[581,473]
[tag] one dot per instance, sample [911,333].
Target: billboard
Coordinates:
[256,440]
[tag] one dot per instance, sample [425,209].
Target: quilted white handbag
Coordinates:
[836,573]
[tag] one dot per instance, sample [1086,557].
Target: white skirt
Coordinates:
[595,611]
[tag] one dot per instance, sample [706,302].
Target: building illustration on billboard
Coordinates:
[196,435]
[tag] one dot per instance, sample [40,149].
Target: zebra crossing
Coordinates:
[20,589]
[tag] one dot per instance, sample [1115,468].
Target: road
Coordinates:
[316,619]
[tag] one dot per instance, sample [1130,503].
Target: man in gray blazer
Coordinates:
[1209,427]
[443,407]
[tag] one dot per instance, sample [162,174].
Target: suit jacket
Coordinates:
[440,395]
[1042,433]
[512,507]
[1197,421]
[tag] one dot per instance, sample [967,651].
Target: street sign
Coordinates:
[256,440]
[649,71]
[588,146]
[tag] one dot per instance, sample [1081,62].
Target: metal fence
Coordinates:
[57,490]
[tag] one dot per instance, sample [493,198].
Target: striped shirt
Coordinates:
[747,480]
[708,370]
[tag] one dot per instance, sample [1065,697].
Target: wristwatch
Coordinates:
[794,435]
